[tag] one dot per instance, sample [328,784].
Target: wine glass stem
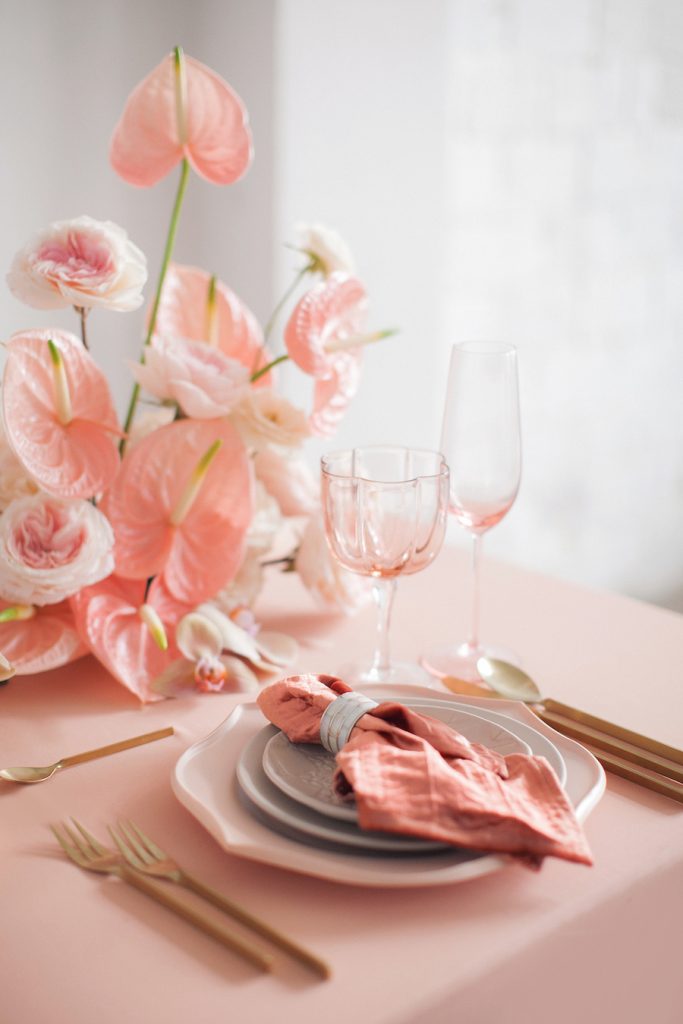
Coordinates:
[383,591]
[473,642]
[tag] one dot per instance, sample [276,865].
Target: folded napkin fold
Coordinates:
[413,775]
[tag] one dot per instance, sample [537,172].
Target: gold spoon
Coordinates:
[40,774]
[508,680]
[619,750]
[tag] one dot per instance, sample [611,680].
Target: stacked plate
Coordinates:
[289,786]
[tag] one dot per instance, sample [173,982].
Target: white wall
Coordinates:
[499,167]
[565,235]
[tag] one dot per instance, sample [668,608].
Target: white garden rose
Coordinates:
[327,250]
[50,548]
[82,263]
[264,418]
[333,586]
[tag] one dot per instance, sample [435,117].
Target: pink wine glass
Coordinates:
[481,441]
[385,513]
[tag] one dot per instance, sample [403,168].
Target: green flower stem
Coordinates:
[265,369]
[293,286]
[168,252]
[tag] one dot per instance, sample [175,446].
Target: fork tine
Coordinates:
[97,847]
[125,850]
[84,848]
[155,850]
[132,841]
[70,851]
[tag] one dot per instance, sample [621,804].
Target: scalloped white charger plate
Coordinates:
[204,781]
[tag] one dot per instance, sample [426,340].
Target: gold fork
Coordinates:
[145,856]
[83,849]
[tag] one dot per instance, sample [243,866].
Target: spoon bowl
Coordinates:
[40,774]
[508,680]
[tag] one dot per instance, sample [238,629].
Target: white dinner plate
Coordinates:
[304,822]
[305,771]
[204,782]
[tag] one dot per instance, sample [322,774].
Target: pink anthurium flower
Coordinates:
[327,319]
[332,394]
[59,416]
[182,110]
[39,639]
[119,623]
[204,382]
[181,506]
[198,307]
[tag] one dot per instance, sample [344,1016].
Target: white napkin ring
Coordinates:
[339,718]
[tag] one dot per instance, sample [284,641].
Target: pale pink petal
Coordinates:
[146,143]
[198,557]
[201,379]
[332,395]
[331,311]
[44,642]
[108,619]
[76,460]
[183,314]
[288,480]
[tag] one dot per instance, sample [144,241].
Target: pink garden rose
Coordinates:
[182,110]
[81,262]
[50,548]
[204,382]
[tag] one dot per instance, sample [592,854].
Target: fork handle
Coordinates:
[242,915]
[261,960]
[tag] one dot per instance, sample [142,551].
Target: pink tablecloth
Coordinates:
[602,943]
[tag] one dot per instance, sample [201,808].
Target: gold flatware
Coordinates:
[41,774]
[145,856]
[648,762]
[85,851]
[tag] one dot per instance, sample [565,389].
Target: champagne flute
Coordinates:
[385,514]
[482,444]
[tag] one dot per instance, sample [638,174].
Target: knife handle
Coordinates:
[617,731]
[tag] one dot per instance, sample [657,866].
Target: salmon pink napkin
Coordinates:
[413,775]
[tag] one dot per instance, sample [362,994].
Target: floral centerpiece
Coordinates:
[143,542]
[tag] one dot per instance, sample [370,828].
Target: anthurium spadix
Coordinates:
[182,110]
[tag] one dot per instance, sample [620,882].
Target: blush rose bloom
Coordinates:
[81,262]
[201,379]
[51,547]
